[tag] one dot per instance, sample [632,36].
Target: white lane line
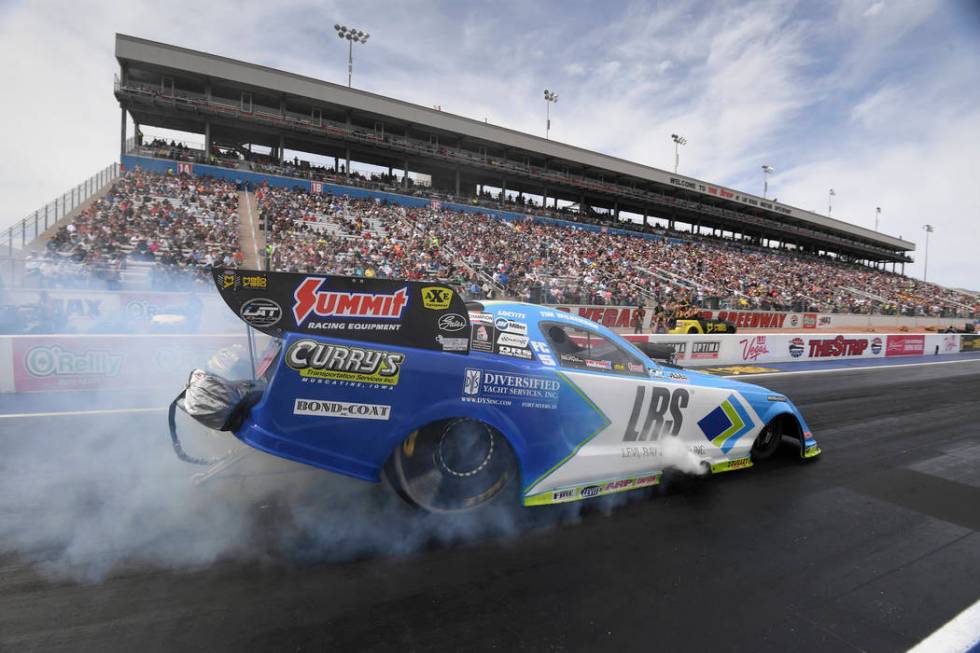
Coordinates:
[71,413]
[847,369]
[961,633]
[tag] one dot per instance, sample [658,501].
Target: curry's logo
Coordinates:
[436,298]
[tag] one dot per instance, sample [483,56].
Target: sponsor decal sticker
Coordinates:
[504,388]
[310,300]
[664,413]
[453,344]
[436,298]
[512,340]
[320,408]
[482,337]
[598,365]
[809,320]
[590,491]
[319,360]
[515,352]
[724,425]
[452,322]
[261,312]
[510,326]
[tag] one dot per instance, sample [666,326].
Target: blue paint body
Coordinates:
[431,387]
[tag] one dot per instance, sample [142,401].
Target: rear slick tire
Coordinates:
[456,465]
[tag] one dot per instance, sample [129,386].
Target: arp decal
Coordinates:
[320,360]
[436,298]
[663,403]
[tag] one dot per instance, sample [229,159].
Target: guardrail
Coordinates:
[18,236]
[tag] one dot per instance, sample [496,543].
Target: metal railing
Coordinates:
[18,236]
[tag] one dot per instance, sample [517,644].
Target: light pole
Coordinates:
[549,97]
[766,171]
[877,216]
[925,271]
[353,36]
[830,199]
[678,141]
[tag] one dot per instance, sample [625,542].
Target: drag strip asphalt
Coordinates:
[872,547]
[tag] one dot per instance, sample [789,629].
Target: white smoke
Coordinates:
[86,496]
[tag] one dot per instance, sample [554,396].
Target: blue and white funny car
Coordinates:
[455,403]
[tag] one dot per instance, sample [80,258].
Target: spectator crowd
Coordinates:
[166,231]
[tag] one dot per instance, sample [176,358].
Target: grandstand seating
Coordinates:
[162,231]
[148,230]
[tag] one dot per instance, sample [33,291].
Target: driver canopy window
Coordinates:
[581,349]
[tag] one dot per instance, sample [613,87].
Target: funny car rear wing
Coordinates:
[384,311]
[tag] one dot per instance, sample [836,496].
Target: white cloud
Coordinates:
[874,9]
[827,98]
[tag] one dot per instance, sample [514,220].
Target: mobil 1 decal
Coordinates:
[388,311]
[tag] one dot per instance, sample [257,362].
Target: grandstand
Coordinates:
[176,210]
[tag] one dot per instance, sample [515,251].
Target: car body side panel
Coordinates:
[566,427]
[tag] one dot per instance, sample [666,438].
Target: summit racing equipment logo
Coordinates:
[436,298]
[662,400]
[261,312]
[310,299]
[55,361]
[319,360]
[502,389]
[341,409]
[726,424]
[839,346]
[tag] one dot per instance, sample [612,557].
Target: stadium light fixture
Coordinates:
[877,216]
[678,141]
[352,36]
[830,201]
[766,171]
[549,97]
[925,270]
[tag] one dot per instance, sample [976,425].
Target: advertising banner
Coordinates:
[73,362]
[906,345]
[970,342]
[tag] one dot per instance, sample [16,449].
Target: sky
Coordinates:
[877,99]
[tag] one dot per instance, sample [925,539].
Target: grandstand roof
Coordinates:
[306,114]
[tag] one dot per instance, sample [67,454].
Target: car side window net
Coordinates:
[582,349]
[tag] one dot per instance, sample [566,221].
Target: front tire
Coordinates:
[455,465]
[768,440]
